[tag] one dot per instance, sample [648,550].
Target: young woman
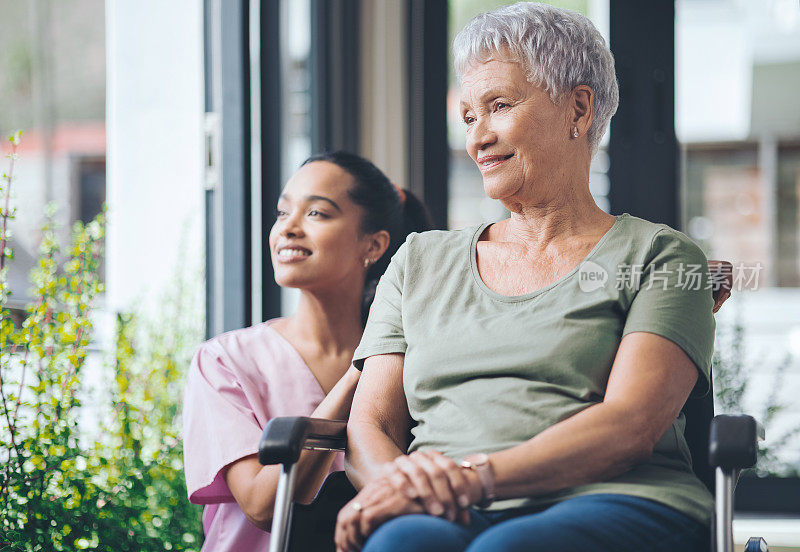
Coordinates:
[339,221]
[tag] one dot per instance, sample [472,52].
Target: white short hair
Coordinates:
[558,49]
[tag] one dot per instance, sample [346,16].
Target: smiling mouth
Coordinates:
[489,162]
[292,254]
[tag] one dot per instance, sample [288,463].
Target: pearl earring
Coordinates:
[574,132]
[367,262]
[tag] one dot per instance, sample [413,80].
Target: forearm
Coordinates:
[369,448]
[336,405]
[377,431]
[255,487]
[648,384]
[597,444]
[313,466]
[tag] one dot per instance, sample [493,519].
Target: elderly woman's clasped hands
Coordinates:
[423,482]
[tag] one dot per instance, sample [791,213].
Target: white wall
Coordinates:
[717,44]
[155,146]
[714,64]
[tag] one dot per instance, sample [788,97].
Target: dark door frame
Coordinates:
[643,150]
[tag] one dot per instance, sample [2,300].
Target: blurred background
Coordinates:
[186,117]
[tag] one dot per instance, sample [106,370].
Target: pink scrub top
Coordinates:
[237,382]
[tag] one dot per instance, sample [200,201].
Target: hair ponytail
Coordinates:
[385,207]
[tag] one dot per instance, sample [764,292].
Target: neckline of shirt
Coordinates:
[293,350]
[476,277]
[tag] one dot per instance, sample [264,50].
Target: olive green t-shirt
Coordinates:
[484,372]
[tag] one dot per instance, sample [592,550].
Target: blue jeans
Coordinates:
[592,523]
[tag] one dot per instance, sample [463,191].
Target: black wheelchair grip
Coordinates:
[733,442]
[284,438]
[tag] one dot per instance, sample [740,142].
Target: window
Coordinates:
[89,187]
[53,87]
[738,123]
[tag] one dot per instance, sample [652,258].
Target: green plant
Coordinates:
[59,488]
[732,383]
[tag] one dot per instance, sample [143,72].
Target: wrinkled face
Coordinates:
[515,134]
[316,241]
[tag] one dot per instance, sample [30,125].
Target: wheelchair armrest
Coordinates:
[733,442]
[284,438]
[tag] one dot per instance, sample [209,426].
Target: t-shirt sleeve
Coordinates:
[674,300]
[219,426]
[384,331]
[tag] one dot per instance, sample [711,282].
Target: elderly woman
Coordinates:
[523,381]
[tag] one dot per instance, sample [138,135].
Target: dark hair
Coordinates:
[384,209]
